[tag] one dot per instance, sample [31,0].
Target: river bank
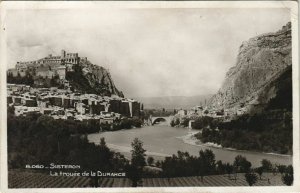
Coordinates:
[161,141]
[192,140]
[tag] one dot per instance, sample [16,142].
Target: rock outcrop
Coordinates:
[260,61]
[98,76]
[67,70]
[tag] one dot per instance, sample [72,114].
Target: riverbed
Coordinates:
[162,140]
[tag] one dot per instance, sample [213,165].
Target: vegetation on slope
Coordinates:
[39,139]
[270,130]
[79,82]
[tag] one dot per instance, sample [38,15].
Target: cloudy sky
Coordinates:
[149,52]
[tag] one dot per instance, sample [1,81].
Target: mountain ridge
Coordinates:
[173,102]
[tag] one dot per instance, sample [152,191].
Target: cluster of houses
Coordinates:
[64,104]
[202,111]
[226,114]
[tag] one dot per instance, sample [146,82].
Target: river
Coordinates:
[163,140]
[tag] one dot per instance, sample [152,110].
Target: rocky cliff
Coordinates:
[81,76]
[91,78]
[260,61]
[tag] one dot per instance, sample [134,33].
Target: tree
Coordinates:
[134,174]
[150,160]
[287,179]
[103,146]
[172,123]
[62,141]
[288,176]
[208,158]
[202,172]
[251,178]
[206,163]
[119,161]
[185,121]
[18,78]
[260,171]
[136,122]
[158,163]
[228,169]
[138,153]
[221,168]
[100,159]
[281,169]
[242,164]
[134,170]
[177,122]
[266,165]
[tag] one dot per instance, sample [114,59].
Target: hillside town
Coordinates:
[63,102]
[69,126]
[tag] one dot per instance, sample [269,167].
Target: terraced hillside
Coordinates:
[17,179]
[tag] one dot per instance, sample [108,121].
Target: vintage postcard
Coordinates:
[141,96]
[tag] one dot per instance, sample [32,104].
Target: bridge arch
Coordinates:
[160,119]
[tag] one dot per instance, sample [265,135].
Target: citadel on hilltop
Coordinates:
[49,66]
[67,71]
[67,87]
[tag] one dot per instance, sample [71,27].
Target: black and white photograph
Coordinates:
[105,96]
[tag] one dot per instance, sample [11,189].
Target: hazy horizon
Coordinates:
[149,52]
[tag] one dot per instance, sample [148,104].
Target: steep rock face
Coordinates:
[89,78]
[278,94]
[99,76]
[260,61]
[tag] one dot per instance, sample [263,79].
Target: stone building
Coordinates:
[96,108]
[81,108]
[43,71]
[49,65]
[55,101]
[125,108]
[114,106]
[9,99]
[29,102]
[67,102]
[17,100]
[135,109]
[61,72]
[14,72]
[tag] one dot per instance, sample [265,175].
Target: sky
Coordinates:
[149,52]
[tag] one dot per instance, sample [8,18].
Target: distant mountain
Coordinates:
[262,64]
[173,102]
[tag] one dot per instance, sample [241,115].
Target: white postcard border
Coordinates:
[292,5]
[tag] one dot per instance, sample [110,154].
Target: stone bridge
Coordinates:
[167,120]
